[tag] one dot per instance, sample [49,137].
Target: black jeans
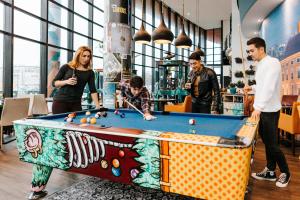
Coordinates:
[63,107]
[268,127]
[200,108]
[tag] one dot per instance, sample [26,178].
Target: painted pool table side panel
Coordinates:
[188,164]
[185,138]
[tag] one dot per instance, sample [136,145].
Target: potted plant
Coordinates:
[232,88]
[239,74]
[240,84]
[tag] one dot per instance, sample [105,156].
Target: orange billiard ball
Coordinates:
[116,163]
[83,120]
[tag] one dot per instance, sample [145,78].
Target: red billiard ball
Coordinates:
[192,121]
[121,153]
[122,115]
[116,112]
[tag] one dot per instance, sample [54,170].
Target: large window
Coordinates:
[75,23]
[27,26]
[26,73]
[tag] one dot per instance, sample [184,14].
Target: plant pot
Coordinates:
[232,90]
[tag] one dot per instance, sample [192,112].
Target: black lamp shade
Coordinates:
[198,49]
[162,35]
[183,41]
[142,36]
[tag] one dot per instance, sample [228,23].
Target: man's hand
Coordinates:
[148,117]
[256,115]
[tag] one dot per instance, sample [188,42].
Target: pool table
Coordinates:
[208,160]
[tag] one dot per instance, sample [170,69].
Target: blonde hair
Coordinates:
[74,63]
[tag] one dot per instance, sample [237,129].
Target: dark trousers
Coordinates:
[200,108]
[63,107]
[268,127]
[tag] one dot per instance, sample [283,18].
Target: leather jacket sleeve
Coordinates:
[216,103]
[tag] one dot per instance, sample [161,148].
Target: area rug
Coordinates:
[92,188]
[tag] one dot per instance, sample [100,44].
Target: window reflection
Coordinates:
[26,73]
[58,15]
[57,36]
[56,58]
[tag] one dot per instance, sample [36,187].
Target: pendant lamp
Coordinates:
[182,40]
[162,35]
[142,36]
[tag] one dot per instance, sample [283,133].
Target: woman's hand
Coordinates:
[71,81]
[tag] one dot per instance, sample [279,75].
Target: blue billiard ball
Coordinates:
[122,115]
[116,171]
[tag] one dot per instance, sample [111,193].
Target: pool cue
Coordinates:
[133,107]
[130,105]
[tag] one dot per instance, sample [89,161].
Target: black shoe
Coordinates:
[283,180]
[37,195]
[266,174]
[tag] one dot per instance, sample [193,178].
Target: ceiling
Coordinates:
[255,16]
[210,12]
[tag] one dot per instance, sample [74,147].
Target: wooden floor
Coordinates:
[15,177]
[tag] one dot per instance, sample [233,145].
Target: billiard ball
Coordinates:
[93,120]
[71,115]
[192,122]
[97,116]
[116,163]
[104,164]
[122,115]
[88,113]
[83,120]
[70,119]
[116,112]
[66,118]
[88,120]
[134,173]
[116,171]
[121,153]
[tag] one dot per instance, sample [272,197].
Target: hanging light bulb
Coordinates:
[183,40]
[142,36]
[162,35]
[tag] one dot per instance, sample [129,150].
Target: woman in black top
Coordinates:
[71,80]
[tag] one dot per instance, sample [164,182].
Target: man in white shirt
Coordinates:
[267,107]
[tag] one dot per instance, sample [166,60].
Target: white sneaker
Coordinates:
[283,180]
